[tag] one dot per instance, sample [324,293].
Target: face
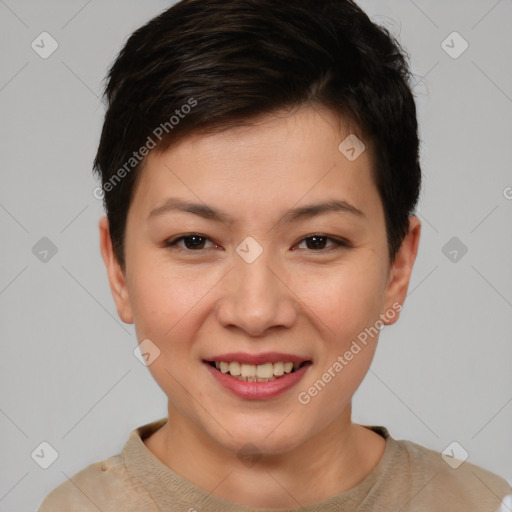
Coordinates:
[261,270]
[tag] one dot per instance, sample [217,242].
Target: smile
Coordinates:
[257,381]
[266,372]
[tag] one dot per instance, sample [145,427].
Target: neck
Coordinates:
[336,459]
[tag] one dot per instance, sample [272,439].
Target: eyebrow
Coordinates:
[293,215]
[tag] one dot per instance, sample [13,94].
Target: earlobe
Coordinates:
[116,275]
[401,269]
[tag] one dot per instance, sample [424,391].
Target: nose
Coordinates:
[256,297]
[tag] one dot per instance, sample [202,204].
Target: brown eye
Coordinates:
[317,243]
[192,242]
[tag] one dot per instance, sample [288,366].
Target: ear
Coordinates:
[401,269]
[116,275]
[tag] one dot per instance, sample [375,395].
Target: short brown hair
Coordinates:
[234,60]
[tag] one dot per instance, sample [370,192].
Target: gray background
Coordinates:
[68,374]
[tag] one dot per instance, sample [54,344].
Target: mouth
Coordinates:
[265,372]
[261,376]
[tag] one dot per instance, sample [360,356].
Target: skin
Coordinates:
[295,298]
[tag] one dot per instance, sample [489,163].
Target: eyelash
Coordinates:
[338,243]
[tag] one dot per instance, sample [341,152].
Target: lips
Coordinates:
[246,382]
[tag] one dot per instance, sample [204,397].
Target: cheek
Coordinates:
[161,301]
[346,306]
[166,311]
[345,300]
[170,305]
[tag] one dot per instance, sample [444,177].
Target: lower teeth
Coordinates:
[255,379]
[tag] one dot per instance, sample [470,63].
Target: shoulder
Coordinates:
[458,485]
[107,485]
[104,485]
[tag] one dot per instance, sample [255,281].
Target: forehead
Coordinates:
[277,161]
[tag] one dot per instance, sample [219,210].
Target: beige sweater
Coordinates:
[408,478]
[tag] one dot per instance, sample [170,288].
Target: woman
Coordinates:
[260,171]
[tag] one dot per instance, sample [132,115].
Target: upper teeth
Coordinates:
[262,371]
